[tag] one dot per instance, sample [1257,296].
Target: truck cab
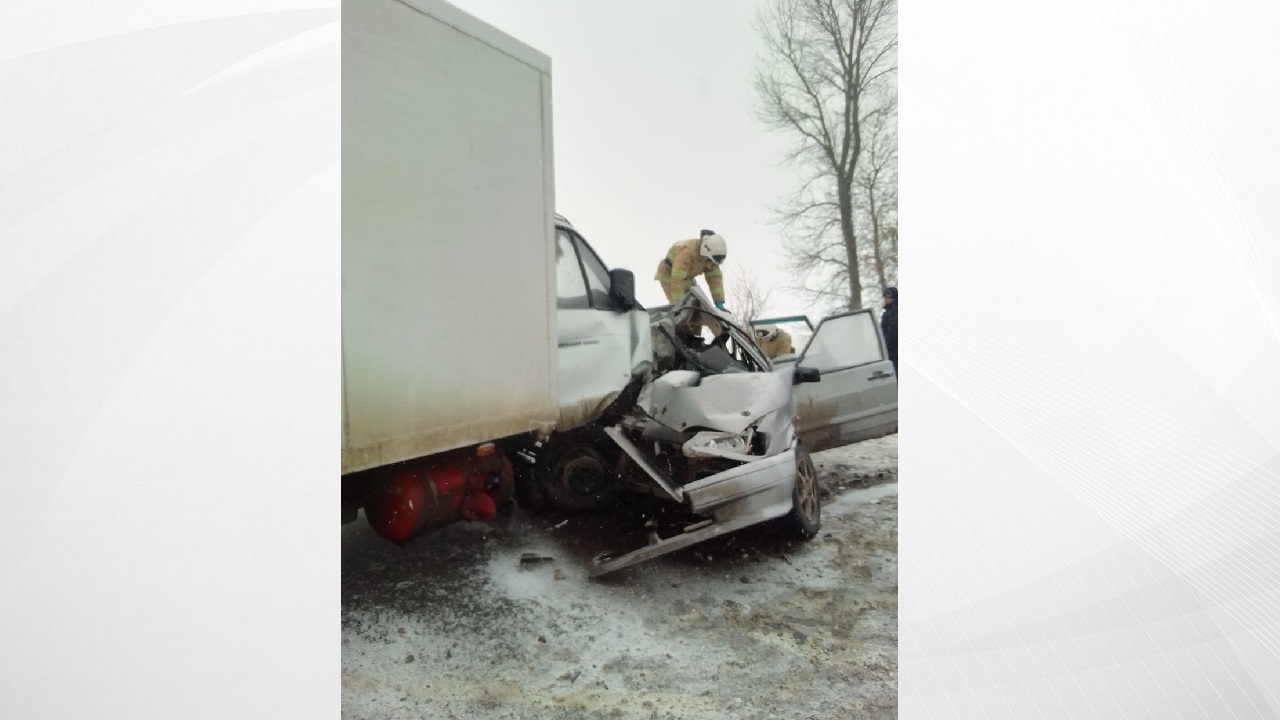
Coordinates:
[602,334]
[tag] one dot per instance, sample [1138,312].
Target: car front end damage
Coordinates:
[712,435]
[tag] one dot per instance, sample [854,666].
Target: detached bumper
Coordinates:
[770,479]
[747,495]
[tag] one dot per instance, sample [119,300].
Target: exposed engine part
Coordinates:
[731,446]
[733,495]
[644,463]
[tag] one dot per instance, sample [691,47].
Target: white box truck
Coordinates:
[488,353]
[448,233]
[450,312]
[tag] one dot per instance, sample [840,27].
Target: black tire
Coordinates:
[805,518]
[578,477]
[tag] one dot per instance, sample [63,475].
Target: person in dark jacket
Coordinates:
[889,323]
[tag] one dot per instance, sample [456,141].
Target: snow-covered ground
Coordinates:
[746,626]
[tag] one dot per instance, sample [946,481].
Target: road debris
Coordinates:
[527,559]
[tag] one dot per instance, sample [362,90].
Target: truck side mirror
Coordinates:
[806,375]
[622,288]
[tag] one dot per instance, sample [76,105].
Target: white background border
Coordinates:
[1091,359]
[169,328]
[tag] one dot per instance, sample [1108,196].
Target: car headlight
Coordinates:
[716,442]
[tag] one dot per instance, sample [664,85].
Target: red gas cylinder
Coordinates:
[418,496]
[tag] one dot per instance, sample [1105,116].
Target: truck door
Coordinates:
[599,345]
[857,396]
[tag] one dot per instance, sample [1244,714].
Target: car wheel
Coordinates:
[805,517]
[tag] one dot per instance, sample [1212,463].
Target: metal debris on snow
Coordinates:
[528,558]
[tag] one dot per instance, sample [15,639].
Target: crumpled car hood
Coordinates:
[731,402]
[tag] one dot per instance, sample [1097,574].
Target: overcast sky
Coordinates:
[655,135]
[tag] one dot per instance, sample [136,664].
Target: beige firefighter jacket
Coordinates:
[682,265]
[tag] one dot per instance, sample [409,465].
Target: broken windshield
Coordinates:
[691,336]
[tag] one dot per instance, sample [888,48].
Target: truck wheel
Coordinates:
[578,478]
[805,517]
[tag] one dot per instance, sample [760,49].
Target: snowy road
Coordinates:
[749,626]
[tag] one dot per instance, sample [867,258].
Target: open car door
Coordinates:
[857,396]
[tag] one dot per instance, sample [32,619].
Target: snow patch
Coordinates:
[853,498]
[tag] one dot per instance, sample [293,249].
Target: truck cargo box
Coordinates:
[448,233]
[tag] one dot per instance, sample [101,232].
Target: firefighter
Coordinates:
[688,259]
[774,341]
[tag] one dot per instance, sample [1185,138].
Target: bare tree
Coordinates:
[877,199]
[889,256]
[748,297]
[828,71]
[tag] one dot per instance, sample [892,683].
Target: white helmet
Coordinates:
[713,246]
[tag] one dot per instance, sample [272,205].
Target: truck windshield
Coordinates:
[571,289]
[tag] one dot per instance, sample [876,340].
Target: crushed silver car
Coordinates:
[709,430]
[715,431]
